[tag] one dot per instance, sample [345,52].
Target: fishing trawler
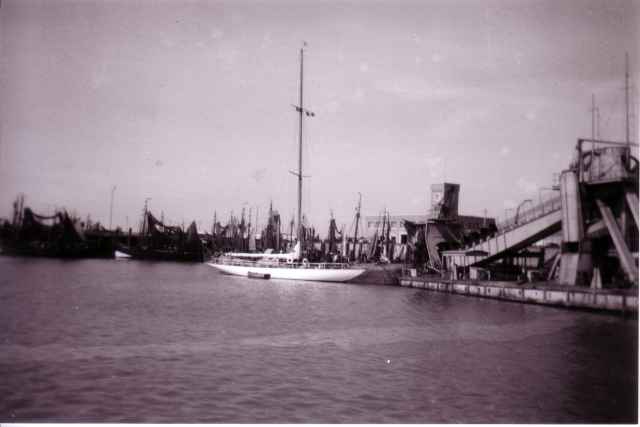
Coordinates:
[59,235]
[160,242]
[289,265]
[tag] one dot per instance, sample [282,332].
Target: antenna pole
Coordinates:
[593,126]
[593,116]
[626,96]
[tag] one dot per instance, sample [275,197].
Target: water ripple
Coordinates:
[100,341]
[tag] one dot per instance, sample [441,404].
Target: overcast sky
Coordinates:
[189,103]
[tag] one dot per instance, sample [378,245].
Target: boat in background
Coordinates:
[60,235]
[161,242]
[380,270]
[290,265]
[121,255]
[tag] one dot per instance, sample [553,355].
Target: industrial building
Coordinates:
[596,213]
[440,229]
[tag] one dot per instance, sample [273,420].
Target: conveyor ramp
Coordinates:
[517,233]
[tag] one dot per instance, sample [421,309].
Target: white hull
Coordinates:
[312,274]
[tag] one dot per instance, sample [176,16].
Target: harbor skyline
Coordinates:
[189,104]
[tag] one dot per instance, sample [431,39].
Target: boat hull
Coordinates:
[309,274]
[151,254]
[121,255]
[379,274]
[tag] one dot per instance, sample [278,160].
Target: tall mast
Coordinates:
[300,109]
[144,219]
[257,227]
[386,240]
[291,224]
[382,234]
[355,235]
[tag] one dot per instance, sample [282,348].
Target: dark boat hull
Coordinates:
[379,274]
[47,250]
[150,254]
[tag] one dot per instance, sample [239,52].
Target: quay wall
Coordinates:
[622,301]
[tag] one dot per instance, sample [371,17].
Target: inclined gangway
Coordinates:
[517,233]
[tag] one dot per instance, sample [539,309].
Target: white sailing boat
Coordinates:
[288,265]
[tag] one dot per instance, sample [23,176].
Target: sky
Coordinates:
[189,103]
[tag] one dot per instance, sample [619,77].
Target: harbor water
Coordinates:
[129,341]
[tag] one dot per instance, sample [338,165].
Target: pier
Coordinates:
[620,301]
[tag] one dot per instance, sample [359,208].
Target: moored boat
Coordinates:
[290,265]
[284,266]
[160,242]
[317,272]
[58,236]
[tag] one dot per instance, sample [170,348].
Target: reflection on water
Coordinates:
[100,340]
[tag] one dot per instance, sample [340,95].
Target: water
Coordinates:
[126,341]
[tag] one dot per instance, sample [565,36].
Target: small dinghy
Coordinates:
[255,275]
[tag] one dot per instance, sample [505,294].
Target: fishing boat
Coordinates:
[160,242]
[289,265]
[60,235]
[378,271]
